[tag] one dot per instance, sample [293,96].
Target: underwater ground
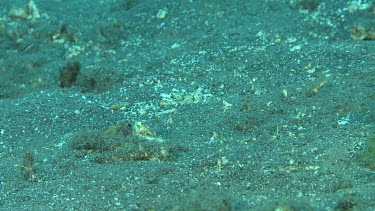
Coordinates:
[187,105]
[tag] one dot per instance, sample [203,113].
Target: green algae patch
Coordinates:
[369,153]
